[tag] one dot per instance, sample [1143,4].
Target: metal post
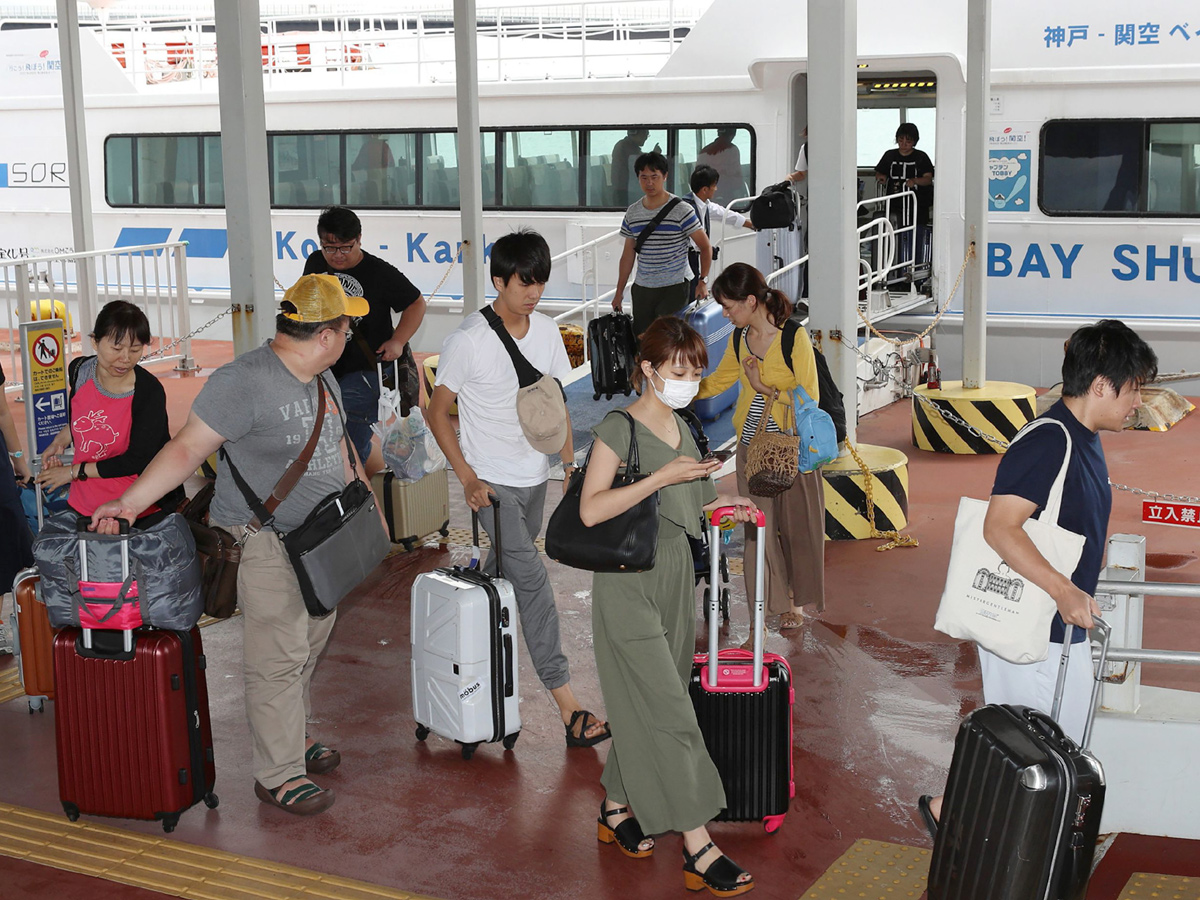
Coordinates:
[979,71]
[244,157]
[183,306]
[77,164]
[832,195]
[470,178]
[1124,612]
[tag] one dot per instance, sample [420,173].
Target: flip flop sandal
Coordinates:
[304,800]
[582,740]
[320,760]
[791,620]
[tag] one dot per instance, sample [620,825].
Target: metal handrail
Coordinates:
[1149,588]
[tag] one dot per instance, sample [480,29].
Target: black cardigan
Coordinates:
[149,430]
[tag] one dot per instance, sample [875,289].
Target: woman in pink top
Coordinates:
[118,419]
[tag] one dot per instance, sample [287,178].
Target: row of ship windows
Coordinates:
[1117,167]
[522,169]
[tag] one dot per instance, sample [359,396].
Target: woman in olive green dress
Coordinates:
[645,622]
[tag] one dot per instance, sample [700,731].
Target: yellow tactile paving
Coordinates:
[873,870]
[169,866]
[10,685]
[1161,887]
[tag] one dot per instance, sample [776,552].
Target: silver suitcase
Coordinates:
[464,655]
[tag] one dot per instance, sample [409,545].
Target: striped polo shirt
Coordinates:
[664,257]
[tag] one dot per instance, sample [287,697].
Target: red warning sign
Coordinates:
[1160,512]
[45,350]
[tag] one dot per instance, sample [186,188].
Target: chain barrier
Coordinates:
[191,334]
[896,538]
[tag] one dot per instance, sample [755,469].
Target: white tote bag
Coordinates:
[984,600]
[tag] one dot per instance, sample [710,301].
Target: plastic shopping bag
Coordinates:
[409,448]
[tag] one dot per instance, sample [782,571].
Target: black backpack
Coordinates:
[831,400]
[775,207]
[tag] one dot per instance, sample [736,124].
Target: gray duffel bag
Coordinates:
[87,580]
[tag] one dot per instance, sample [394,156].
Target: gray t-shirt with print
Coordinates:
[266,416]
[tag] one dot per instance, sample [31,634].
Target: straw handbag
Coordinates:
[772,459]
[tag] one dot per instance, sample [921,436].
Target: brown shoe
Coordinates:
[321,760]
[306,799]
[791,620]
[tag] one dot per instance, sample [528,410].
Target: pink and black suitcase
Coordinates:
[131,721]
[744,703]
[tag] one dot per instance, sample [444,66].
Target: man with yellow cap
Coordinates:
[260,410]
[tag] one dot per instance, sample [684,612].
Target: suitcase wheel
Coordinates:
[211,800]
[468,750]
[72,811]
[628,391]
[37,704]
[169,822]
[408,544]
[725,604]
[422,732]
[510,740]
[596,396]
[772,823]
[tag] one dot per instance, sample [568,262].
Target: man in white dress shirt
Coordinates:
[704,185]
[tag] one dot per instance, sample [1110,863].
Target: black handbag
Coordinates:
[625,543]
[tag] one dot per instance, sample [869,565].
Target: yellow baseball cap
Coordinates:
[320,298]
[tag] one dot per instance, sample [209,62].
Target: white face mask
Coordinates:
[677,392]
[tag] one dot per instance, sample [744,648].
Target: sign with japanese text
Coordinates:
[44,367]
[1160,512]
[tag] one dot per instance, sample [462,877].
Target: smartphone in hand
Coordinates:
[720,455]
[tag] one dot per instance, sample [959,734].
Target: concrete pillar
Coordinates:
[979,79]
[244,158]
[832,190]
[470,180]
[77,166]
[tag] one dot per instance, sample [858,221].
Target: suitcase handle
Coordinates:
[714,579]
[495,498]
[82,523]
[1105,631]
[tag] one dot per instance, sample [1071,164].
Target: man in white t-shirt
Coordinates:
[491,454]
[801,161]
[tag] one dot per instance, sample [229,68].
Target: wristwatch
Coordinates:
[83,475]
[704,278]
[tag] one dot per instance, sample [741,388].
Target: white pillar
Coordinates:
[244,159]
[833,190]
[979,79]
[470,179]
[77,166]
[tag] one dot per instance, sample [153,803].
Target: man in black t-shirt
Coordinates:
[905,168]
[373,338]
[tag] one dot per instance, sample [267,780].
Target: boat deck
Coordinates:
[878,696]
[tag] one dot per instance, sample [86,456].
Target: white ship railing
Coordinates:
[591,39]
[153,277]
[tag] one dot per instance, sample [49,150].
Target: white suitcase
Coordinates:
[464,655]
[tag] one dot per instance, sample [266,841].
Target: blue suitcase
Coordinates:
[707,319]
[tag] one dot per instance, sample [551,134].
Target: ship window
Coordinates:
[118,170]
[541,169]
[168,170]
[1091,168]
[306,170]
[1173,169]
[726,148]
[622,147]
[383,170]
[439,168]
[214,172]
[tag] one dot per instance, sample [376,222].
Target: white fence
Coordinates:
[153,277]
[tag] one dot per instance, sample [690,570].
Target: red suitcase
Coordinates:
[33,638]
[131,724]
[743,703]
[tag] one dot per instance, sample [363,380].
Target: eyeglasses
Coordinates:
[339,249]
[346,334]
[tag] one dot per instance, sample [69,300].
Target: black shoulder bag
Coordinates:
[625,543]
[654,223]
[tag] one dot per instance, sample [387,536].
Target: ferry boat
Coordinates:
[879,693]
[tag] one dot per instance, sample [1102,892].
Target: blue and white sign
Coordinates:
[1008,180]
[44,370]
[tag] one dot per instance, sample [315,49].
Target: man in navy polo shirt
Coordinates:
[1105,366]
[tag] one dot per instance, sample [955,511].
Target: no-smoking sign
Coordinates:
[46,350]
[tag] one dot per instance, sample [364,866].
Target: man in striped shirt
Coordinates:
[658,230]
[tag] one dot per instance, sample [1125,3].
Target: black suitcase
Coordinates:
[1022,807]
[612,347]
[747,727]
[775,207]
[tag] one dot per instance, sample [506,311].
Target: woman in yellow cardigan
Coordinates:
[795,529]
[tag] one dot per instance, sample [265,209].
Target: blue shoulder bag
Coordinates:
[818,436]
